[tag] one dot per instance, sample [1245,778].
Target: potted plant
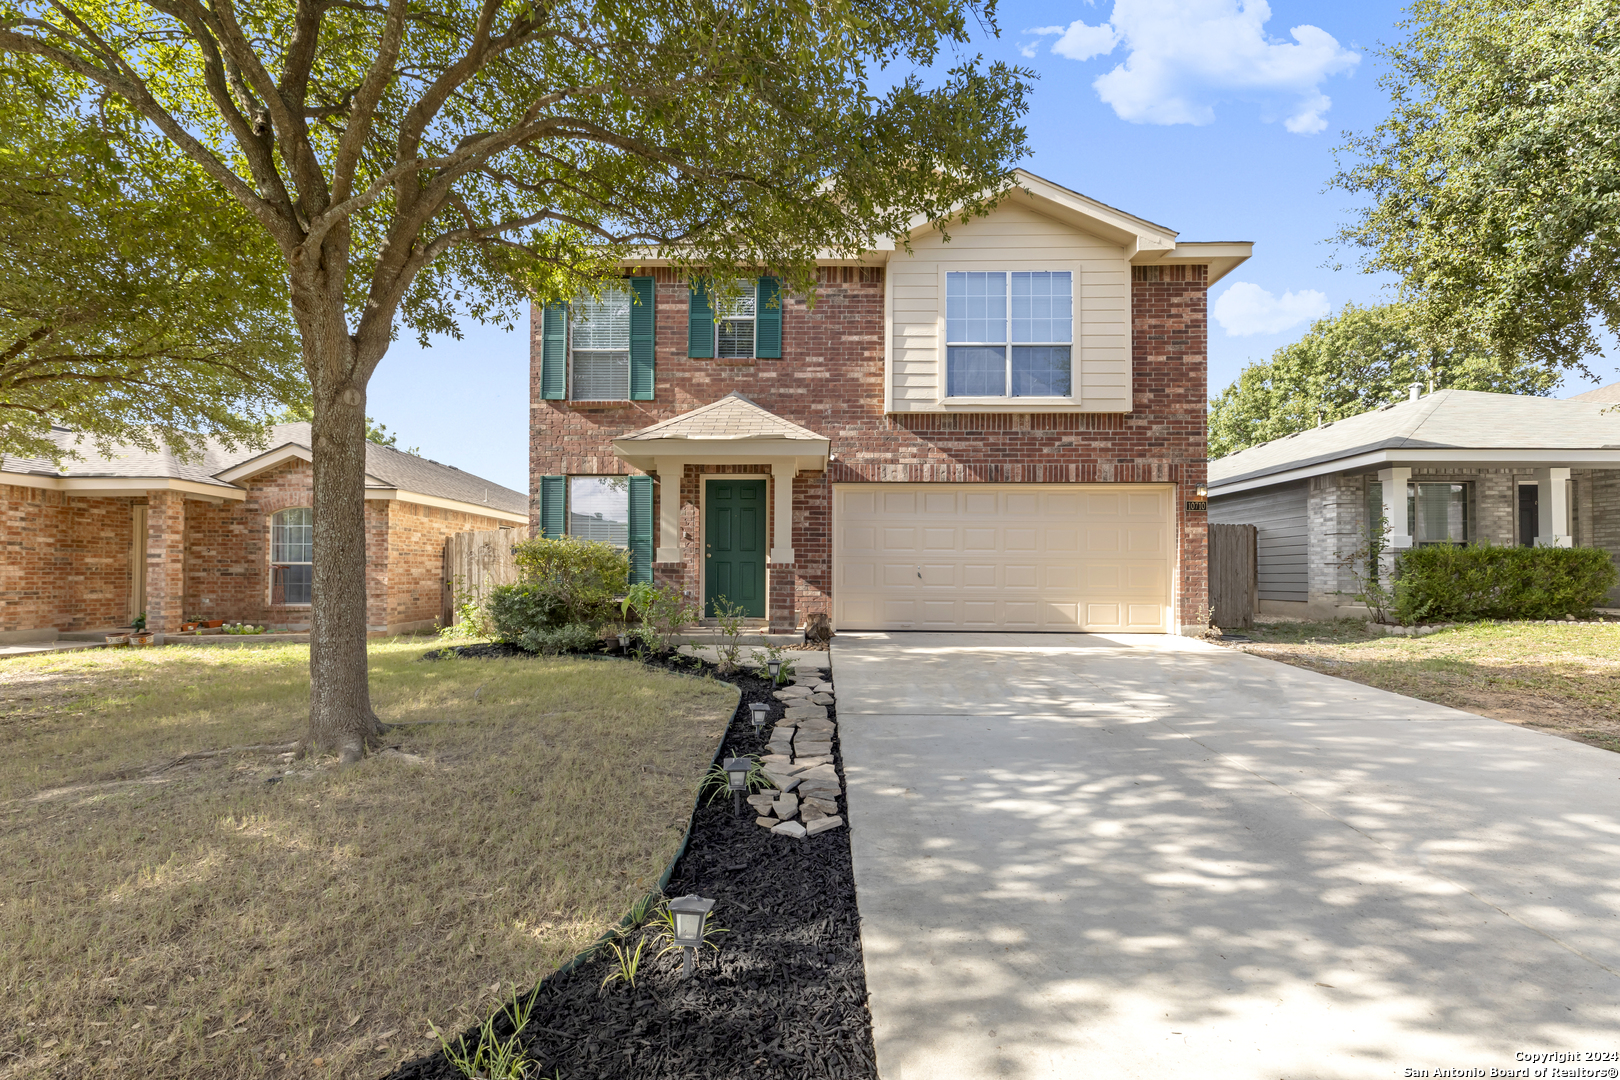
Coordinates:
[214,624]
[118,641]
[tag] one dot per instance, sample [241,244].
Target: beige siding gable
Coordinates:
[1012,238]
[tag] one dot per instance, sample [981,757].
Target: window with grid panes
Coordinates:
[292,556]
[1009,334]
[734,335]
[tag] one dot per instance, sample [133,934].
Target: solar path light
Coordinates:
[690,913]
[775,668]
[760,711]
[624,642]
[737,769]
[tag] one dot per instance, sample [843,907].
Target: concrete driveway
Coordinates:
[1089,856]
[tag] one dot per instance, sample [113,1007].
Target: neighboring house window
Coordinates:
[600,346]
[1009,334]
[734,335]
[1436,513]
[292,555]
[599,508]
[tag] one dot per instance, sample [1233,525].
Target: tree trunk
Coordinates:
[340,715]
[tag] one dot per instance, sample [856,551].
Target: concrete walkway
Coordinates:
[1088,856]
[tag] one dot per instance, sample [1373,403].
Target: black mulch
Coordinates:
[785,996]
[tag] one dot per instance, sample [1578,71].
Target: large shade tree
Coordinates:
[138,303]
[418,163]
[1358,358]
[1494,185]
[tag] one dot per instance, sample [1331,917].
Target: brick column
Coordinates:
[165,561]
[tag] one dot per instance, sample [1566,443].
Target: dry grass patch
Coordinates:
[241,915]
[1563,678]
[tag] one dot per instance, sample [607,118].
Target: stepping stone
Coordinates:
[822,699]
[794,829]
[787,693]
[821,772]
[766,822]
[809,762]
[820,825]
[822,687]
[807,712]
[823,725]
[825,807]
[776,759]
[785,807]
[762,803]
[782,780]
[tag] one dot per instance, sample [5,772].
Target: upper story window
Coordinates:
[734,333]
[1009,334]
[292,556]
[599,346]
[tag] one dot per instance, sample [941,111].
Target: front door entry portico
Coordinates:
[734,546]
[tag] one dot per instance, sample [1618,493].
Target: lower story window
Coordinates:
[1436,513]
[292,556]
[599,509]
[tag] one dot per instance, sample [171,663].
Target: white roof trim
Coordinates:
[417,498]
[808,455]
[121,486]
[1398,457]
[267,460]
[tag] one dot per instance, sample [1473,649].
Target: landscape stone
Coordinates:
[823,687]
[766,822]
[776,759]
[789,692]
[762,803]
[808,813]
[819,826]
[786,806]
[804,763]
[781,780]
[821,772]
[826,793]
[807,712]
[822,699]
[794,829]
[825,806]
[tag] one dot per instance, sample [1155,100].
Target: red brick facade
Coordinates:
[831,381]
[67,560]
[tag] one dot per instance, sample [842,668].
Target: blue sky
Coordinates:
[1214,117]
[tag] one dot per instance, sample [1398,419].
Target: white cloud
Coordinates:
[1186,55]
[1245,309]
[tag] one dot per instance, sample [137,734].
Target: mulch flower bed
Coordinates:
[785,995]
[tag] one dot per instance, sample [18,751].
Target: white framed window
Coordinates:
[1009,333]
[1436,512]
[599,509]
[292,556]
[599,346]
[737,311]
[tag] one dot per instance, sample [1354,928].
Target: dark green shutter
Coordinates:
[553,506]
[554,353]
[768,319]
[641,528]
[700,322]
[641,339]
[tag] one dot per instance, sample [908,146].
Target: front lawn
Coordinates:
[1563,678]
[180,899]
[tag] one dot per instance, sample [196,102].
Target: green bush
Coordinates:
[567,590]
[1445,583]
[584,578]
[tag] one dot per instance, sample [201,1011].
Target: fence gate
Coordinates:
[1234,591]
[476,562]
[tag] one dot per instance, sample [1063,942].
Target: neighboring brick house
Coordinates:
[1005,431]
[94,543]
[1454,466]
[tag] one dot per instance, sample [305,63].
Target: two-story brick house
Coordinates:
[1005,431]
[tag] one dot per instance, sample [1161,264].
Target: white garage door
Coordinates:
[1002,557]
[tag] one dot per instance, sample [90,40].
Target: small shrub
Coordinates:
[583,578]
[1488,582]
[663,610]
[730,617]
[492,1057]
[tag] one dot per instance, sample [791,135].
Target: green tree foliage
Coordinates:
[1356,359]
[138,303]
[422,162]
[1495,181]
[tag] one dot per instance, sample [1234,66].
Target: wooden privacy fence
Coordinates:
[474,563]
[1234,587]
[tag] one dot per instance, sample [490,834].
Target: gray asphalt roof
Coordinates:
[387,467]
[1446,419]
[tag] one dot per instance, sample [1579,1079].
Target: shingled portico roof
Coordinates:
[732,429]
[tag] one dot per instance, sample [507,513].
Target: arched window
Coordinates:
[292,555]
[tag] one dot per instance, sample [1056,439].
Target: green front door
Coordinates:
[734,546]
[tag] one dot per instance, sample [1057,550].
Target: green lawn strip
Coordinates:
[204,921]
